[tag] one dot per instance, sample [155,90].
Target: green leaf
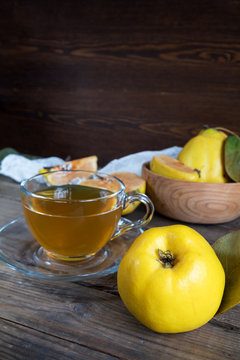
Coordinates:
[6,151]
[232,157]
[227,249]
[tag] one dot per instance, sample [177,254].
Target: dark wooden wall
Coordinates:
[83,77]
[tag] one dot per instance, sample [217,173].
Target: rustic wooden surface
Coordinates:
[87,320]
[111,78]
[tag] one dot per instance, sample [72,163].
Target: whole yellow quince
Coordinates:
[205,153]
[171,279]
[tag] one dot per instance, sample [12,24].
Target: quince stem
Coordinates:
[166,258]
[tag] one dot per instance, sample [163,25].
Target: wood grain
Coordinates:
[87,320]
[110,78]
[202,203]
[91,78]
[81,317]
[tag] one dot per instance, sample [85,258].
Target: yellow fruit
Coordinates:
[167,166]
[87,163]
[205,152]
[171,279]
[133,184]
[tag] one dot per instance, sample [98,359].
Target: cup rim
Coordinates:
[34,195]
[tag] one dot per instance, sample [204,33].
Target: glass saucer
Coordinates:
[19,250]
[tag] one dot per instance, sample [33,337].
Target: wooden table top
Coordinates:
[87,319]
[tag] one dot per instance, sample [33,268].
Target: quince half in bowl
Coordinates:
[193,202]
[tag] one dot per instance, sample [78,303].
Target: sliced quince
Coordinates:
[133,184]
[88,163]
[167,166]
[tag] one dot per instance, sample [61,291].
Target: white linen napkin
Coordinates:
[133,163]
[19,167]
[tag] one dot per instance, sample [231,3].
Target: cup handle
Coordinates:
[129,198]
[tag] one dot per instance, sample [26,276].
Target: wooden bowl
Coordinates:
[202,203]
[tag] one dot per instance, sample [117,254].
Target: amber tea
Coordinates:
[73,214]
[72,221]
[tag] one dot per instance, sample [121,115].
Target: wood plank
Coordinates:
[90,315]
[126,79]
[77,310]
[97,78]
[19,342]
[10,210]
[97,319]
[9,189]
[141,15]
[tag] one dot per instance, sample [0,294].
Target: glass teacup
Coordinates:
[74,214]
